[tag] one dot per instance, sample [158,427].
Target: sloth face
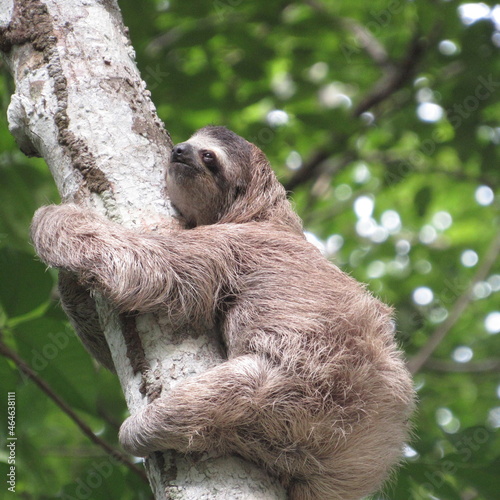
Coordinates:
[206,174]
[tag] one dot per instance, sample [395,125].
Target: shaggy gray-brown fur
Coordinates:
[314,387]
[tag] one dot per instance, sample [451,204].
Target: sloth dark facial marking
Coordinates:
[210,160]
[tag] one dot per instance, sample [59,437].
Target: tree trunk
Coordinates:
[81,104]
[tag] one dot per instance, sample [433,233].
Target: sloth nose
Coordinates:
[179,151]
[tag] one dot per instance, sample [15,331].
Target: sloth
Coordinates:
[313,388]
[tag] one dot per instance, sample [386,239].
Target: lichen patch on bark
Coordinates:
[32,23]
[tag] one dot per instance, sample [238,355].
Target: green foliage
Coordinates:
[406,198]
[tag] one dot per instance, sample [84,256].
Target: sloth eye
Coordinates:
[209,159]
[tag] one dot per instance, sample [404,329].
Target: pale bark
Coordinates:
[80,104]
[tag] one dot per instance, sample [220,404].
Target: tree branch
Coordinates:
[483,366]
[317,165]
[32,375]
[419,360]
[370,44]
[395,76]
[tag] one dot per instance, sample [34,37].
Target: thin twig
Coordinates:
[416,363]
[314,165]
[483,366]
[317,166]
[370,43]
[395,77]
[365,38]
[31,374]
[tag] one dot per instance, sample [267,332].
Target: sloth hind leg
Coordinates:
[245,405]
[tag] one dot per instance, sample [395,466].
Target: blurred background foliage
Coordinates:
[382,119]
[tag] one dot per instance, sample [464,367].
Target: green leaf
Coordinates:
[53,351]
[25,284]
[434,479]
[486,481]
[423,199]
[472,444]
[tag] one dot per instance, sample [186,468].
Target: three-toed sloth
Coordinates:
[314,388]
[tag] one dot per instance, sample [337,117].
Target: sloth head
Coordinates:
[219,177]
